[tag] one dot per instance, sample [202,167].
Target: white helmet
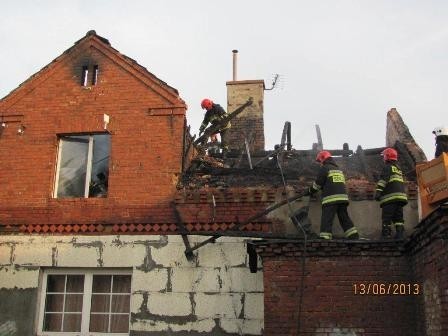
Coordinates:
[440,131]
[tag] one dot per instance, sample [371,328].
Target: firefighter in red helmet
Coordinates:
[391,194]
[331,181]
[215,113]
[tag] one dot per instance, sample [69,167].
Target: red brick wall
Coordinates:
[146,141]
[431,269]
[329,304]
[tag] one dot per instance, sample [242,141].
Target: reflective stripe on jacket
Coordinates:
[391,185]
[331,181]
[213,116]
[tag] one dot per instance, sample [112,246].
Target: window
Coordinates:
[83,166]
[85,303]
[85,73]
[95,74]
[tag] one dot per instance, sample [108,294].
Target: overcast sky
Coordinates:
[342,63]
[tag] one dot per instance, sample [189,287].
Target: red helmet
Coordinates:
[322,156]
[389,154]
[206,104]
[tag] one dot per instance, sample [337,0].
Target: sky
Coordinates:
[342,64]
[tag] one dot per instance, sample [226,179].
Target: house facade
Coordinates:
[89,237]
[112,221]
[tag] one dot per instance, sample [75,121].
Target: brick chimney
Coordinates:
[248,124]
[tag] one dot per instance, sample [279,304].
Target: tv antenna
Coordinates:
[274,82]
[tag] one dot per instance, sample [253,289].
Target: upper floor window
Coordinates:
[85,302]
[85,75]
[83,166]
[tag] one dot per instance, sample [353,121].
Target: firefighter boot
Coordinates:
[352,234]
[386,232]
[399,232]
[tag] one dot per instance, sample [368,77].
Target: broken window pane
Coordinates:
[100,166]
[83,167]
[73,166]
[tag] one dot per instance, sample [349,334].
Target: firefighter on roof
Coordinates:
[213,115]
[391,195]
[331,181]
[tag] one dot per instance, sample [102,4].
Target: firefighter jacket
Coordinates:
[331,181]
[214,116]
[441,145]
[390,187]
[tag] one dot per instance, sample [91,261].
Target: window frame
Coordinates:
[86,304]
[89,163]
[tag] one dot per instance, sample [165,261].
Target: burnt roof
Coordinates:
[298,166]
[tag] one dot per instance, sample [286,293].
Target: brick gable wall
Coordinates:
[146,142]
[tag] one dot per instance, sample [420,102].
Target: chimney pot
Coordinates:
[235,52]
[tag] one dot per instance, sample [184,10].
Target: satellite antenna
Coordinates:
[274,82]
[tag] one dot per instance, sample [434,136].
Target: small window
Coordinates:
[84,75]
[83,166]
[85,303]
[95,74]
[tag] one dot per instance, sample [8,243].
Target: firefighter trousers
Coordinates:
[224,140]
[392,215]
[328,213]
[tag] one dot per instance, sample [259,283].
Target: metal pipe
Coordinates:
[320,145]
[235,53]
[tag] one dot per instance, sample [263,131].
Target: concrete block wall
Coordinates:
[250,122]
[215,294]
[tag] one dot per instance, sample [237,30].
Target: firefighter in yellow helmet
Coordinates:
[331,181]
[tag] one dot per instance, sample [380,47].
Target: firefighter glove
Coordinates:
[377,196]
[307,192]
